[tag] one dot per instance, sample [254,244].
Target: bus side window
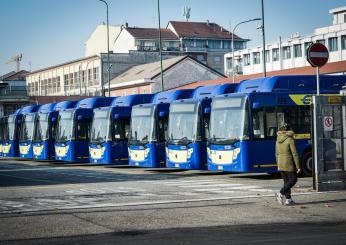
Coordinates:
[206,126]
[271,122]
[258,124]
[118,129]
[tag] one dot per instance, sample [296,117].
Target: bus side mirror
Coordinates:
[206,110]
[116,116]
[256,105]
[162,114]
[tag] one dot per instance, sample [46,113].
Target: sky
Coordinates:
[50,32]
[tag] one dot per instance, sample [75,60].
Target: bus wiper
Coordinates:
[184,141]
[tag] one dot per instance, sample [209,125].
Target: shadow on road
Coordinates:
[294,233]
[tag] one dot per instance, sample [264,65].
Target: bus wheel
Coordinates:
[307,164]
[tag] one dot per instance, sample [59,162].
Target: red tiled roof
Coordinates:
[329,68]
[150,33]
[201,30]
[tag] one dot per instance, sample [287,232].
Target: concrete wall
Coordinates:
[97,42]
[124,42]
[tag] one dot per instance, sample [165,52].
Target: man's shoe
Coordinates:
[289,202]
[280,198]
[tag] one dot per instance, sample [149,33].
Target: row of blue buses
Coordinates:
[229,127]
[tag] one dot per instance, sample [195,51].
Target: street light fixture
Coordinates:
[235,27]
[109,76]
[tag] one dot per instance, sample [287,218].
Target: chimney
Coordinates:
[126,25]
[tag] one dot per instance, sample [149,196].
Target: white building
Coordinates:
[97,42]
[291,53]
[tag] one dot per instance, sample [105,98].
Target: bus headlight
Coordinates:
[189,152]
[208,151]
[146,152]
[236,151]
[167,151]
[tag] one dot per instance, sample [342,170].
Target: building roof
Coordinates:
[329,68]
[338,10]
[151,33]
[145,71]
[201,30]
[14,76]
[151,70]
[63,64]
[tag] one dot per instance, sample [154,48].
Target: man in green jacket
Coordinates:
[288,163]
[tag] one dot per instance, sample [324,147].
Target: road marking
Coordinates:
[69,206]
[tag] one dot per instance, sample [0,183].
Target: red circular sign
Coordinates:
[317,55]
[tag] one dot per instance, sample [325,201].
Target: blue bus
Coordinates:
[3,125]
[110,129]
[73,128]
[26,131]
[148,132]
[45,129]
[188,128]
[243,125]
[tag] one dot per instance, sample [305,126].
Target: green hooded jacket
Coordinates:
[286,153]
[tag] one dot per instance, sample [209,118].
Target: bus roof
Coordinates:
[213,90]
[95,102]
[29,109]
[293,84]
[65,105]
[46,108]
[169,96]
[132,100]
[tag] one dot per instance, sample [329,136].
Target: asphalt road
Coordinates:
[267,234]
[51,203]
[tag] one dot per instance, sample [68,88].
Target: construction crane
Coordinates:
[16,59]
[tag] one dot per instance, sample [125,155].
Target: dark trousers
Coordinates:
[290,179]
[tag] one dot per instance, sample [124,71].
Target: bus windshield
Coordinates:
[65,126]
[228,120]
[10,129]
[142,125]
[100,128]
[41,127]
[183,123]
[27,129]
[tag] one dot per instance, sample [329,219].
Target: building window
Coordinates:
[200,57]
[90,77]
[71,79]
[286,52]
[190,43]
[321,41]
[256,58]
[96,75]
[343,42]
[276,54]
[333,44]
[214,44]
[201,43]
[226,44]
[297,50]
[217,59]
[65,80]
[76,77]
[58,84]
[246,59]
[267,56]
[306,46]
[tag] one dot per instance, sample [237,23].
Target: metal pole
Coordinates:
[263,43]
[80,80]
[160,44]
[318,80]
[235,27]
[103,88]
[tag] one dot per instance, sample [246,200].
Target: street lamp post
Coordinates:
[108,62]
[263,43]
[235,27]
[160,43]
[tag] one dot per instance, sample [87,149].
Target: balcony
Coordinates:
[156,49]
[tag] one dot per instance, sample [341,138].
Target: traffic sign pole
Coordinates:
[317,56]
[318,79]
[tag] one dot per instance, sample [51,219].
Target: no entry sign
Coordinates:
[317,55]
